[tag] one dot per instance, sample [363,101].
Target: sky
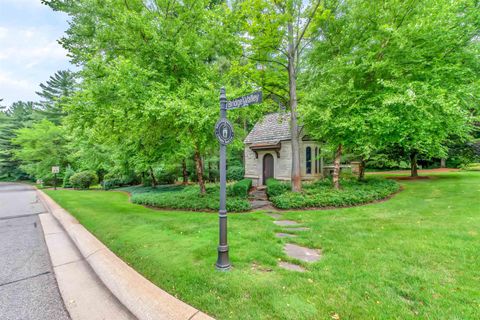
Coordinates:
[29,51]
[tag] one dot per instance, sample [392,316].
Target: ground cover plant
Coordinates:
[189,197]
[411,257]
[320,193]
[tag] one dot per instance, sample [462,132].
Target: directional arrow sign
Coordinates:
[244,101]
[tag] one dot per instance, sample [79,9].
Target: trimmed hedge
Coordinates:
[276,188]
[321,194]
[188,198]
[83,180]
[241,188]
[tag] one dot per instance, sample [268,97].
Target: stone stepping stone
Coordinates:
[284,223]
[274,215]
[285,235]
[291,266]
[297,229]
[302,253]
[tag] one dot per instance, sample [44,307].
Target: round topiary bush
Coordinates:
[83,180]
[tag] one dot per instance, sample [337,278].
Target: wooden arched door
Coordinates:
[268,167]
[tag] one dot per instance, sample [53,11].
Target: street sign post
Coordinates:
[55,170]
[224,134]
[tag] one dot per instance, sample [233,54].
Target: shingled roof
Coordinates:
[274,127]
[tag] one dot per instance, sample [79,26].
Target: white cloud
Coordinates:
[28,56]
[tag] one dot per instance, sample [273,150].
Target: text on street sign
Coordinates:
[244,101]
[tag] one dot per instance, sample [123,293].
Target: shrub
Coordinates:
[241,188]
[276,188]
[69,172]
[235,173]
[83,180]
[188,198]
[321,194]
[112,183]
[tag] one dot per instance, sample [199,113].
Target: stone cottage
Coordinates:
[268,151]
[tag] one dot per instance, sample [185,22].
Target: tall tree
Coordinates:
[277,36]
[54,94]
[394,76]
[137,56]
[19,115]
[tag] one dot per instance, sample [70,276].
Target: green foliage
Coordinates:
[187,198]
[276,188]
[471,167]
[401,79]
[235,173]
[41,146]
[321,194]
[19,115]
[241,188]
[83,180]
[55,94]
[69,172]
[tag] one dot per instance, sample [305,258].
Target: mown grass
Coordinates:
[415,256]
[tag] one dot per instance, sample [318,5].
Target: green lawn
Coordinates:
[416,256]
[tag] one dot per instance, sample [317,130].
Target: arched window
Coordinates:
[316,160]
[309,160]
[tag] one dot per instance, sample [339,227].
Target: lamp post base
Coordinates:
[223,262]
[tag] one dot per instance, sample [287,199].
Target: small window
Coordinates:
[316,160]
[309,160]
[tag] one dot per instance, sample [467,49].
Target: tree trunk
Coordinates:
[154,181]
[413,164]
[292,78]
[184,172]
[361,171]
[199,167]
[336,167]
[443,163]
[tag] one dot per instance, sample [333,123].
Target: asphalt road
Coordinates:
[28,289]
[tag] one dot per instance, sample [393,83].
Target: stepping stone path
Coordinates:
[274,215]
[285,235]
[258,198]
[291,266]
[302,253]
[297,229]
[285,223]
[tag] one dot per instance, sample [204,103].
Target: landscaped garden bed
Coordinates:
[189,197]
[320,194]
[411,257]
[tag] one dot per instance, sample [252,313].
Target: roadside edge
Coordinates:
[141,297]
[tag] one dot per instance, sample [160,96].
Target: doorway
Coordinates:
[268,169]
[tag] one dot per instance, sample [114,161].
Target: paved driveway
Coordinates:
[28,289]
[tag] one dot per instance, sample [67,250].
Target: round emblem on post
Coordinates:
[224,131]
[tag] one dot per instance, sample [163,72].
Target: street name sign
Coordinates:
[244,101]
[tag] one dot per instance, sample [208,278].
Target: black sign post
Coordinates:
[224,133]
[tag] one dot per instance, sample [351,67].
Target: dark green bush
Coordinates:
[69,172]
[321,194]
[188,198]
[83,180]
[235,173]
[241,188]
[276,188]
[112,183]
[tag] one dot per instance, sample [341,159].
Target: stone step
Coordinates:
[256,204]
[302,253]
[284,223]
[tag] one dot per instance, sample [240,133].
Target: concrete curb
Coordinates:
[141,297]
